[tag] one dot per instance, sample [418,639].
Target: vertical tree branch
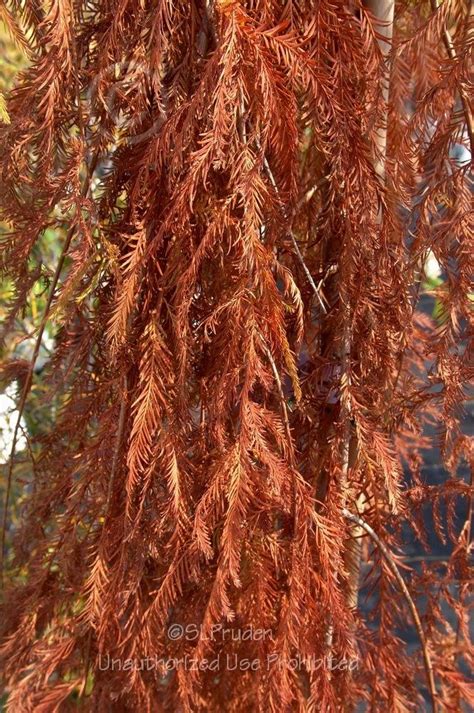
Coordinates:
[383,12]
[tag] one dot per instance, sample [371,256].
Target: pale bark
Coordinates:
[383,11]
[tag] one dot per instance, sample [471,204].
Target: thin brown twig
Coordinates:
[316,288]
[31,368]
[26,391]
[356,519]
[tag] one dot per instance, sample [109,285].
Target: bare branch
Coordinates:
[356,519]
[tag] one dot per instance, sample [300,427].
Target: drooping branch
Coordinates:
[357,520]
[451,50]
